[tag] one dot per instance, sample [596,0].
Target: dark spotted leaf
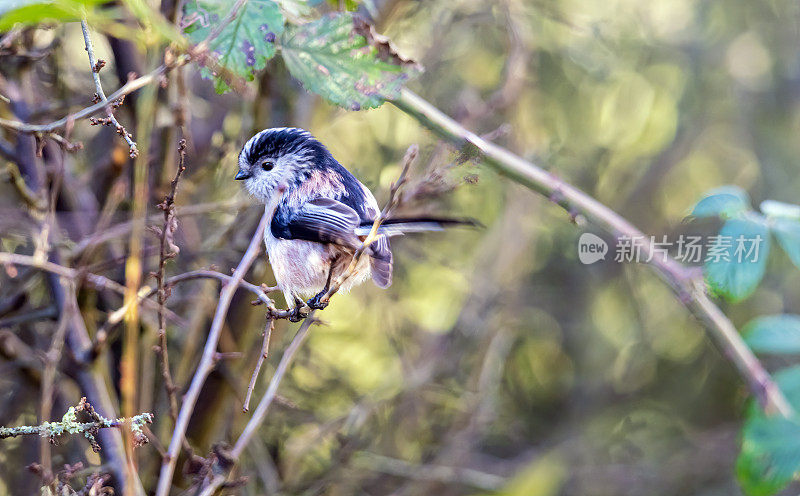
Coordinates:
[245,44]
[341,58]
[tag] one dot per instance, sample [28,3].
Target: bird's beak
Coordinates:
[242,175]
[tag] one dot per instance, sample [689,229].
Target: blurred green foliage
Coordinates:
[497,350]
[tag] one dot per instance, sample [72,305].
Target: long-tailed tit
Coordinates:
[320,215]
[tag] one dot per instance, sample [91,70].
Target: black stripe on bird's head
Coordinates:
[279,156]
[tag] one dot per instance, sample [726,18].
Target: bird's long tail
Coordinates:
[401,226]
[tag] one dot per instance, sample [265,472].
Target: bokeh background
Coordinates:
[496,363]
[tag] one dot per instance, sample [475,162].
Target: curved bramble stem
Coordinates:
[689,286]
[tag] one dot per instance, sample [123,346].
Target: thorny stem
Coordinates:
[94,67]
[689,287]
[167,232]
[208,359]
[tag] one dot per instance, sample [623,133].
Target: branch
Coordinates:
[28,195]
[261,357]
[260,292]
[434,473]
[689,287]
[261,411]
[95,280]
[199,53]
[127,88]
[95,67]
[167,250]
[208,359]
[69,425]
[123,228]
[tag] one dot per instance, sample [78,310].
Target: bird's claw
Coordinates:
[296,314]
[317,303]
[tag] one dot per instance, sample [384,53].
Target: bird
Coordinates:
[319,215]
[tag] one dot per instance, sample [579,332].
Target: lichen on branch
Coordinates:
[70,424]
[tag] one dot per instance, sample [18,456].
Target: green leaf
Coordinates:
[788,233]
[35,12]
[340,58]
[726,201]
[737,257]
[774,334]
[770,452]
[245,44]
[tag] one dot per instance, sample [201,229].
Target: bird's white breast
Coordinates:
[299,266]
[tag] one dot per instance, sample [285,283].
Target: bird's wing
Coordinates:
[323,220]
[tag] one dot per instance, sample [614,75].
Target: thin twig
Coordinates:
[28,195]
[260,291]
[435,473]
[95,67]
[199,53]
[115,317]
[167,233]
[52,357]
[126,89]
[77,275]
[261,411]
[119,230]
[207,361]
[261,357]
[689,287]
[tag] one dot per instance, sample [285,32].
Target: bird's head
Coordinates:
[279,158]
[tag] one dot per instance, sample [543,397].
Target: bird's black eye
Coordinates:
[267,165]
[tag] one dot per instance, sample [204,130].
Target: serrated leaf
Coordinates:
[736,260]
[726,201]
[34,12]
[779,334]
[340,58]
[770,452]
[788,233]
[245,44]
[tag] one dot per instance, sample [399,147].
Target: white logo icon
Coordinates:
[591,248]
